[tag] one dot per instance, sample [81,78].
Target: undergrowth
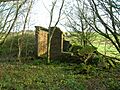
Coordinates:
[61,76]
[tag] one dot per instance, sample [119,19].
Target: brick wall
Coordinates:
[56,43]
[42,40]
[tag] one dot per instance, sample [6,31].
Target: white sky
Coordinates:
[40,14]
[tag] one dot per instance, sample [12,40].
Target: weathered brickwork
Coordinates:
[42,41]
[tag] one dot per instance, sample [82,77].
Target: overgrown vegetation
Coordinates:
[93,62]
[37,74]
[57,76]
[9,50]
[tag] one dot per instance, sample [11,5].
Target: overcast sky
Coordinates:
[40,14]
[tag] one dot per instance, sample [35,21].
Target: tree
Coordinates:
[75,21]
[14,15]
[51,32]
[20,40]
[8,21]
[106,19]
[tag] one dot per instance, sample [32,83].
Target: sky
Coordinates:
[40,14]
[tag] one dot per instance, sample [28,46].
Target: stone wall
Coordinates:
[42,41]
[56,43]
[41,35]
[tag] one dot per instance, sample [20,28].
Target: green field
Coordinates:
[102,44]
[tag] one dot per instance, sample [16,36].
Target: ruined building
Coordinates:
[42,41]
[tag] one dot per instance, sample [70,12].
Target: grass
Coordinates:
[98,41]
[104,46]
[57,77]
[37,75]
[9,49]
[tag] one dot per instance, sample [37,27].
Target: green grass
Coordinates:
[57,77]
[98,41]
[9,49]
[106,48]
[36,75]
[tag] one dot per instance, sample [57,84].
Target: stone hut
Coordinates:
[42,42]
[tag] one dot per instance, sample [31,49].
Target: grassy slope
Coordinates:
[9,49]
[99,42]
[42,77]
[54,76]
[57,77]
